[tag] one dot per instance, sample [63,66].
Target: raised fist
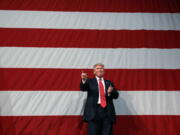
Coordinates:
[84,76]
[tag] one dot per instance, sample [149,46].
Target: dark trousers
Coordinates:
[101,124]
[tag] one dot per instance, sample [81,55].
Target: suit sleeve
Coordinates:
[114,94]
[84,86]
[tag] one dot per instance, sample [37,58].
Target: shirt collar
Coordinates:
[98,78]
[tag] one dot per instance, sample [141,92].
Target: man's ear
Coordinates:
[93,71]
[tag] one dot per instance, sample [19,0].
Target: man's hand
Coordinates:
[84,76]
[110,89]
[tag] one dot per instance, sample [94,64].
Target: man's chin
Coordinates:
[99,75]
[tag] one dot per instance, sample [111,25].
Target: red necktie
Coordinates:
[102,94]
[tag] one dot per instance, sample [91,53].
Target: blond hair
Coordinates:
[98,64]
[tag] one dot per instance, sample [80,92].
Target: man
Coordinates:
[99,110]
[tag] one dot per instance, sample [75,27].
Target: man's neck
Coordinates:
[97,77]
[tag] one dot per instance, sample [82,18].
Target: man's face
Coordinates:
[99,71]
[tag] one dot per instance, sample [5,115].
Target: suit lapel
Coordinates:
[96,83]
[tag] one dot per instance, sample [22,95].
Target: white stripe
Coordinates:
[89,20]
[14,103]
[78,58]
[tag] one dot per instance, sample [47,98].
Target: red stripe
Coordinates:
[89,38]
[94,5]
[69,79]
[73,125]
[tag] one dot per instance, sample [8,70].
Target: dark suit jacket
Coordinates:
[91,86]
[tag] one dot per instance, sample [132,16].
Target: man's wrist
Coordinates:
[84,80]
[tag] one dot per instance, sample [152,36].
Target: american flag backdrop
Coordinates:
[46,44]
